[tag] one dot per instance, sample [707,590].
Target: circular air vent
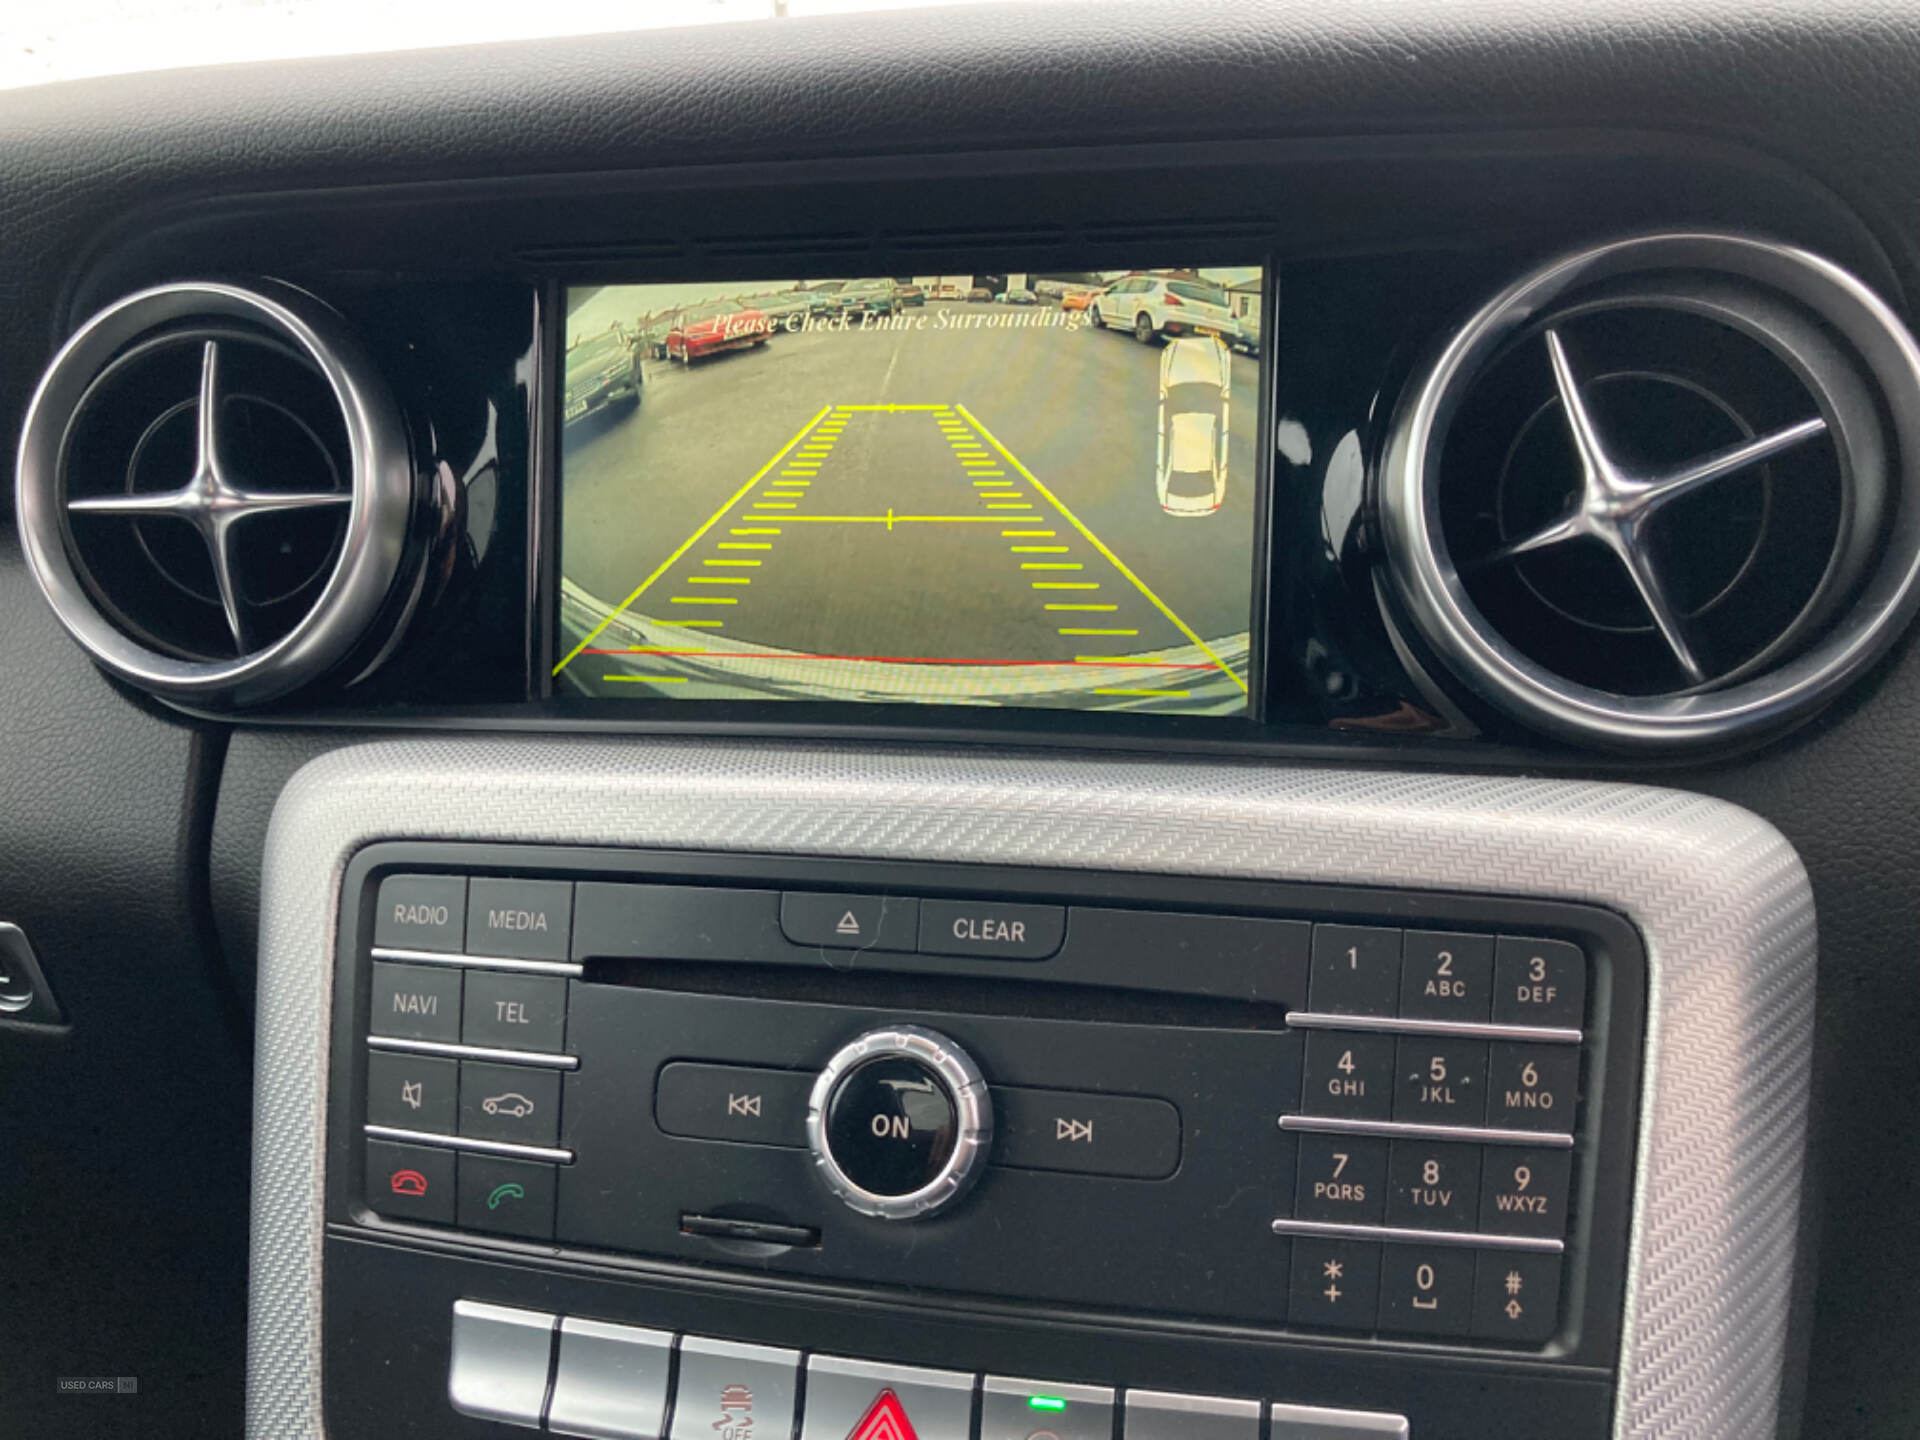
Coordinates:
[1666,491]
[214,491]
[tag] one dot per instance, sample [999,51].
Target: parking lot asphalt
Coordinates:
[958,511]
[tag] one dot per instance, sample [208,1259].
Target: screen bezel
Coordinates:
[545,544]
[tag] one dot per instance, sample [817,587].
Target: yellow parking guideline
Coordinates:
[1152,694]
[1037,549]
[703,600]
[1050,565]
[1029,534]
[1099,632]
[688,543]
[649,679]
[1064,584]
[843,409]
[744,545]
[695,624]
[1083,607]
[1097,544]
[719,580]
[729,562]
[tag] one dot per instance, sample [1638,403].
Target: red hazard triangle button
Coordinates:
[887,1420]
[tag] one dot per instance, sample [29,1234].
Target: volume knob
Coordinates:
[899,1123]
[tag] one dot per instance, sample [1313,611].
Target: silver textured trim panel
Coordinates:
[1458,1239]
[1718,895]
[1479,1135]
[1459,1029]
[479,962]
[545,1059]
[467,1142]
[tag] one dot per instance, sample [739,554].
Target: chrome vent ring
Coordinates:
[1811,498]
[311,601]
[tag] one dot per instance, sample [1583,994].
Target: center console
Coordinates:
[712,1090]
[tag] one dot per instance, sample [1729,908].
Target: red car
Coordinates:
[714,327]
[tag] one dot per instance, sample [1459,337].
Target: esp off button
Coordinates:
[988,930]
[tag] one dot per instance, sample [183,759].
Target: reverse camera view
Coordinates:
[1016,489]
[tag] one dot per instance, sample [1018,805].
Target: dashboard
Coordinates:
[1006,724]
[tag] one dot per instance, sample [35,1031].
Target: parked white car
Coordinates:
[1153,307]
[1195,381]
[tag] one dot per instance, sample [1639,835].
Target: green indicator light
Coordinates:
[1046,1402]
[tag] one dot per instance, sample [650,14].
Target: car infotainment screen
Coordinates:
[1029,490]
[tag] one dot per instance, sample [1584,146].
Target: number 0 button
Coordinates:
[1356,970]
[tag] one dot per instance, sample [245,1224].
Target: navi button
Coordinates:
[415,1002]
[988,930]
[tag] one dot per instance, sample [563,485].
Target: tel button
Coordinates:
[515,1012]
[992,931]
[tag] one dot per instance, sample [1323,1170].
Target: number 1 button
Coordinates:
[1356,970]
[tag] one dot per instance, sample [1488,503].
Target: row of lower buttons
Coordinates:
[449,1005]
[1434,1185]
[449,914]
[517,1104]
[1440,975]
[1426,1081]
[619,1382]
[494,1193]
[1424,1290]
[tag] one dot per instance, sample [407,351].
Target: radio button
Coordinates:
[421,912]
[412,1092]
[1433,1187]
[850,922]
[1349,1076]
[728,1388]
[1533,1087]
[515,1103]
[986,930]
[1427,1290]
[521,919]
[1539,982]
[1156,1415]
[861,1400]
[1026,1409]
[733,1102]
[1343,1178]
[1334,1284]
[1441,1082]
[1444,976]
[1524,1191]
[1517,1298]
[1356,970]
[415,1002]
[515,1012]
[1084,1134]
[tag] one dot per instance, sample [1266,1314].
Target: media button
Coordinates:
[985,929]
[850,922]
[519,919]
[415,1002]
[421,912]
[1124,1135]
[410,1182]
[515,1103]
[733,1102]
[731,1389]
[862,1400]
[412,1092]
[506,1197]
